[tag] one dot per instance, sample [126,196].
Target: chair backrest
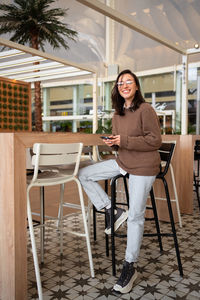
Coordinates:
[197,150]
[87,152]
[45,155]
[105,152]
[166,152]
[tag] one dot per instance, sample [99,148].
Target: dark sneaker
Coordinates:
[120,215]
[128,276]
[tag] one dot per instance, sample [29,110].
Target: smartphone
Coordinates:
[106,138]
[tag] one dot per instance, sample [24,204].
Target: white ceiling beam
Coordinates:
[54,77]
[40,74]
[27,60]
[125,20]
[10,53]
[41,66]
[45,55]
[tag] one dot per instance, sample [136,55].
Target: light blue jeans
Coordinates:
[139,188]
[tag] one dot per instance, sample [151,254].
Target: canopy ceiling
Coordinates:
[176,20]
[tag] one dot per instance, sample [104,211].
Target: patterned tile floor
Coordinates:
[69,277]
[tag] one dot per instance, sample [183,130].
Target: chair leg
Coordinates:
[173,227]
[176,195]
[42,228]
[113,200]
[34,250]
[126,190]
[197,189]
[62,188]
[153,202]
[106,236]
[106,239]
[85,227]
[94,223]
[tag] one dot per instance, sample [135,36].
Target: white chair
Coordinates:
[45,155]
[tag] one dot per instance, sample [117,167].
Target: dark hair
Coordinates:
[118,100]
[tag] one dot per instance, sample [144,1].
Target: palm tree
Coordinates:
[32,22]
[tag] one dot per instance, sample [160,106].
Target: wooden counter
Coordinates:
[13,231]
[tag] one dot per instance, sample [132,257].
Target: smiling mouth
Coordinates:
[126,91]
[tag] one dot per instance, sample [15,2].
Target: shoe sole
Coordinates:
[128,287]
[118,223]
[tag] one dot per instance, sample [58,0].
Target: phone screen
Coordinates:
[106,138]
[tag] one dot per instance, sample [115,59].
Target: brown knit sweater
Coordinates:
[140,138]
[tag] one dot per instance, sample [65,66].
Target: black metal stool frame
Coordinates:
[196,173]
[166,151]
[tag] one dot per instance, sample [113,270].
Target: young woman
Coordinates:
[136,135]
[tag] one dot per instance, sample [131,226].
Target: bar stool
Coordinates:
[166,151]
[175,199]
[56,155]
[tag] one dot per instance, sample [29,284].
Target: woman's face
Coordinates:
[127,87]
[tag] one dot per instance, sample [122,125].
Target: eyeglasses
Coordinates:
[121,83]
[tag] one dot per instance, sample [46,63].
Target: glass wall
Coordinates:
[162,90]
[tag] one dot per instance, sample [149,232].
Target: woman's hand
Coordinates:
[114,140]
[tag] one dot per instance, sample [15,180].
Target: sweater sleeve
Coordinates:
[150,140]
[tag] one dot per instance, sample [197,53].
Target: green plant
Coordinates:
[65,126]
[104,126]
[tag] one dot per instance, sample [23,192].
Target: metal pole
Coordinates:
[198,106]
[184,111]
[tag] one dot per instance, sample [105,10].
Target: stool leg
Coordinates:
[42,229]
[113,200]
[126,190]
[197,189]
[173,227]
[106,236]
[153,202]
[94,224]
